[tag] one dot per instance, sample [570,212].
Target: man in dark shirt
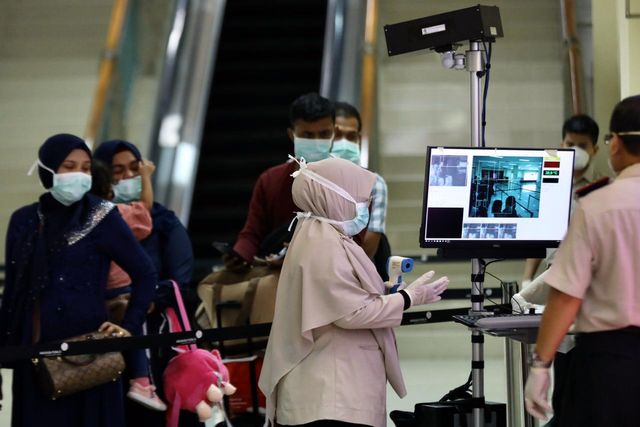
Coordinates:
[312,120]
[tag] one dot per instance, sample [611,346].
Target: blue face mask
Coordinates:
[347,150]
[357,224]
[312,150]
[68,187]
[127,190]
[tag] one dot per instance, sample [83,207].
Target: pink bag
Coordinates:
[195,380]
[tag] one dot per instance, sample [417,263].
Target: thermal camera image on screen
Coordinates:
[489,231]
[496,201]
[505,187]
[448,171]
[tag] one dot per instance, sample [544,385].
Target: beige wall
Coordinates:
[616,61]
[49,60]
[629,36]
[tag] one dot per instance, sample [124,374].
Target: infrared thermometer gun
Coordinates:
[396,266]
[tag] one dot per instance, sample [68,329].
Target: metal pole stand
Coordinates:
[477,344]
[474,63]
[516,365]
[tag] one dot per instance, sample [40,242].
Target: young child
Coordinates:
[137,216]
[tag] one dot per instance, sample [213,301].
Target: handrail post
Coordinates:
[368,92]
[107,66]
[573,54]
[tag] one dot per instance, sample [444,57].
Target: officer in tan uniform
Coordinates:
[594,284]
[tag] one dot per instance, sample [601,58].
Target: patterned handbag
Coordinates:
[64,375]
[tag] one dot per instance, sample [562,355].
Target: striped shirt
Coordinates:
[378,206]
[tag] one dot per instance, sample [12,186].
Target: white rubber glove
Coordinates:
[537,291]
[421,291]
[519,304]
[536,393]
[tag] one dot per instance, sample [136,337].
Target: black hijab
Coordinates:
[108,149]
[57,218]
[34,243]
[53,152]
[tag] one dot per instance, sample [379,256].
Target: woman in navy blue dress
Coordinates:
[168,245]
[169,248]
[57,261]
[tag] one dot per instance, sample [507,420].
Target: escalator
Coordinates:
[269,53]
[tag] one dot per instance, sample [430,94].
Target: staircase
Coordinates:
[269,54]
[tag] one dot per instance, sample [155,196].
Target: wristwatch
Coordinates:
[536,362]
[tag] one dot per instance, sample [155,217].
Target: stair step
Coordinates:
[231,117]
[241,73]
[283,93]
[269,54]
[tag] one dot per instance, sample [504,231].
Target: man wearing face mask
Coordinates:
[346,145]
[579,132]
[311,120]
[594,282]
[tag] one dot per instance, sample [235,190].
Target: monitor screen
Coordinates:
[496,202]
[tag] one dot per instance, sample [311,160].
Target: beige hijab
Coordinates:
[325,275]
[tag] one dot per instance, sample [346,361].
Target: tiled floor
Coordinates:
[437,358]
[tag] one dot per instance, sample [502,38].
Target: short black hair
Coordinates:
[344,109]
[311,107]
[583,124]
[626,118]
[100,179]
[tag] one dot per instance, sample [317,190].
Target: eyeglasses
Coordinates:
[609,136]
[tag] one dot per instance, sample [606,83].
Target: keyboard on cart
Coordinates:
[499,321]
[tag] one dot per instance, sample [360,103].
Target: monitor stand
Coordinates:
[493,253]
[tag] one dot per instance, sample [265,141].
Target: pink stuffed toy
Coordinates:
[195,380]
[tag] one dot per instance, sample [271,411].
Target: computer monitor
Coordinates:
[496,202]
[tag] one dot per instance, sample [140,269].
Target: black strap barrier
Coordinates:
[15,353]
[466,293]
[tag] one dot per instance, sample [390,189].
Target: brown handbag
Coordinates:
[64,375]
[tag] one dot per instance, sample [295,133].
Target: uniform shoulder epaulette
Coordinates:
[592,186]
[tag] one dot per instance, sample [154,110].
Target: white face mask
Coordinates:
[68,187]
[349,227]
[312,150]
[581,159]
[127,190]
[347,150]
